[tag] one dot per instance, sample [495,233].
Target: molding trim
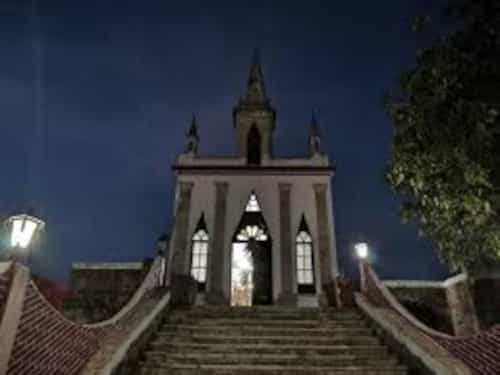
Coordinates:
[257,170]
[108,266]
[462,277]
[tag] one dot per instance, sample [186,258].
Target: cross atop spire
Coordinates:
[256,90]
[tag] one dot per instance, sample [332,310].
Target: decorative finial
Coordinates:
[193,130]
[192,137]
[256,91]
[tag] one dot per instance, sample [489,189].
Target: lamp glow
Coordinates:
[23,229]
[361,250]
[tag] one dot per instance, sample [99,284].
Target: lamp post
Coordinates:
[362,252]
[23,229]
[162,244]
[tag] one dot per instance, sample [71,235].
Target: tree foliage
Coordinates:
[446,146]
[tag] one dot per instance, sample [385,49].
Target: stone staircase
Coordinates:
[267,340]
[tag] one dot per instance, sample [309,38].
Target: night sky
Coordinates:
[96,98]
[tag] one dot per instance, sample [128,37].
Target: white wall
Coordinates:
[266,189]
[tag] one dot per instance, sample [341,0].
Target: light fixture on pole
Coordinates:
[362,253]
[361,250]
[162,244]
[23,229]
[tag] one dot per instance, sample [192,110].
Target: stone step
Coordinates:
[287,323]
[186,369]
[166,359]
[163,339]
[261,308]
[186,329]
[266,313]
[362,350]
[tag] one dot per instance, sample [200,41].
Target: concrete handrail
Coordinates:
[121,353]
[429,353]
[394,303]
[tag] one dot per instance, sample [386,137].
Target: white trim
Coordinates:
[413,284]
[120,354]
[426,283]
[108,266]
[461,277]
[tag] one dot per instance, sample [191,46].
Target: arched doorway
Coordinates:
[251,277]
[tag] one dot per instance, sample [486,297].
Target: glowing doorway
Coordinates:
[241,275]
[251,282]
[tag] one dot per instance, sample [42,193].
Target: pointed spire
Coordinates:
[256,91]
[314,126]
[193,130]
[192,137]
[315,136]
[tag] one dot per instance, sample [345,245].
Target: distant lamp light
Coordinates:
[23,229]
[162,244]
[361,250]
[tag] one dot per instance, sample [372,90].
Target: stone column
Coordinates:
[180,248]
[320,191]
[216,290]
[462,309]
[286,297]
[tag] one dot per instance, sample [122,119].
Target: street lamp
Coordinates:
[162,244]
[361,250]
[23,229]
[362,254]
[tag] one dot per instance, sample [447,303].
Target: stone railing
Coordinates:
[35,338]
[5,267]
[480,352]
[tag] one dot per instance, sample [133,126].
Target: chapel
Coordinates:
[253,228]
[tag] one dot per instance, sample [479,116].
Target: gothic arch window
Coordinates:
[305,259]
[199,253]
[253,146]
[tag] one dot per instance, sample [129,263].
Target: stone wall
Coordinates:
[428,304]
[487,301]
[99,290]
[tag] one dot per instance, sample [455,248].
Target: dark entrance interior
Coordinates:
[251,272]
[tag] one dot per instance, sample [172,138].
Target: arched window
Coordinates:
[305,263]
[253,146]
[199,253]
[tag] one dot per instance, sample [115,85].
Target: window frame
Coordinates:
[199,251]
[304,240]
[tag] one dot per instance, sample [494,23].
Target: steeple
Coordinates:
[254,118]
[256,90]
[192,137]
[314,137]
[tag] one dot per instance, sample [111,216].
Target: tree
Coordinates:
[446,146]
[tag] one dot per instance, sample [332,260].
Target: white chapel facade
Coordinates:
[254,228]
